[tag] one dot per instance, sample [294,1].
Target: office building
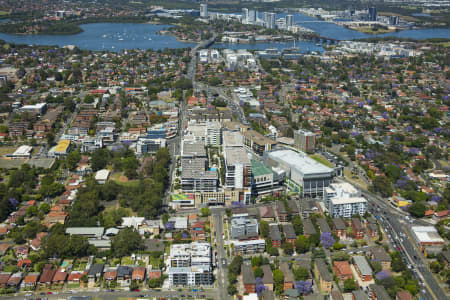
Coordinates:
[304,140]
[243,227]
[372,14]
[303,174]
[149,145]
[264,179]
[270,21]
[190,264]
[203,10]
[289,21]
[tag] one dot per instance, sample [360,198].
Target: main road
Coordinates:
[394,221]
[222,263]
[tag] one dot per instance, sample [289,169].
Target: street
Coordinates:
[222,276]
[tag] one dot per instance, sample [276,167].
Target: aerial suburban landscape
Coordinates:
[254,150]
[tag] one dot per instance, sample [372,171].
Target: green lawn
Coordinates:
[322,160]
[154,261]
[2,13]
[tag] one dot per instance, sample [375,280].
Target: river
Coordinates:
[120,36]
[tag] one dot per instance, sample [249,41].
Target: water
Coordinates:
[331,30]
[119,36]
[106,36]
[304,46]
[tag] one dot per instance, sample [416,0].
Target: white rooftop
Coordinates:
[351,200]
[23,150]
[300,161]
[427,234]
[102,174]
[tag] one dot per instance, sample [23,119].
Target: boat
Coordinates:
[318,44]
[120,39]
[104,36]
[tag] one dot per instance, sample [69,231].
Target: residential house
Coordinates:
[289,234]
[359,295]
[268,277]
[362,267]
[380,255]
[378,292]
[339,228]
[281,211]
[288,276]
[266,213]
[95,272]
[308,228]
[342,270]
[357,228]
[60,277]
[138,273]
[248,279]
[30,280]
[75,277]
[47,276]
[124,275]
[110,274]
[293,208]
[323,225]
[275,235]
[324,276]
[403,295]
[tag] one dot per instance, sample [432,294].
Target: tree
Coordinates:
[288,248]
[126,242]
[326,239]
[300,273]
[235,266]
[349,285]
[260,287]
[258,272]
[274,251]
[382,185]
[278,279]
[72,159]
[301,244]
[205,211]
[304,287]
[99,159]
[298,225]
[264,228]
[417,209]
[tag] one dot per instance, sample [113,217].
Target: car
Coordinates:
[42,293]
[49,293]
[28,295]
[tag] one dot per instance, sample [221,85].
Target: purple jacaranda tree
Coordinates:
[327,240]
[169,226]
[260,287]
[304,287]
[383,275]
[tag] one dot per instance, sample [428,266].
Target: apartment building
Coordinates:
[304,140]
[195,177]
[190,264]
[324,276]
[243,227]
[249,247]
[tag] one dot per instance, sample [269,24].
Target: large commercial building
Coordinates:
[428,239]
[195,177]
[243,227]
[372,14]
[190,264]
[237,168]
[257,143]
[264,179]
[303,174]
[304,140]
[289,21]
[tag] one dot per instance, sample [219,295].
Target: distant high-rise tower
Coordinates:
[251,17]
[271,20]
[372,14]
[289,21]
[204,10]
[244,15]
[305,140]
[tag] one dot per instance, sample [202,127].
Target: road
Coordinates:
[222,276]
[207,294]
[392,219]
